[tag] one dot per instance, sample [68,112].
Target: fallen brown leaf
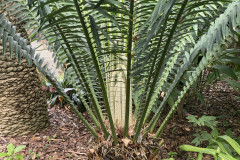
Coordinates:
[130,132]
[65,129]
[32,139]
[126,141]
[52,139]
[91,150]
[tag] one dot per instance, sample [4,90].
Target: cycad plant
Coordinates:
[129,57]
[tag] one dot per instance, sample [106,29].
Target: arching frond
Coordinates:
[119,50]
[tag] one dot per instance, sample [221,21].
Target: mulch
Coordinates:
[221,101]
[67,138]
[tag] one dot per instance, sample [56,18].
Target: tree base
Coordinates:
[126,150]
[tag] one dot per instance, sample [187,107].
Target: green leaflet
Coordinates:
[212,51]
[154,44]
[232,142]
[22,46]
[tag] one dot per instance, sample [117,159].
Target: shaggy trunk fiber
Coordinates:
[23,107]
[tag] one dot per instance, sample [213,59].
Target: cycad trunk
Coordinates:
[117,92]
[23,107]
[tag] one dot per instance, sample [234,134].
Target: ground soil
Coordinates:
[67,138]
[221,101]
